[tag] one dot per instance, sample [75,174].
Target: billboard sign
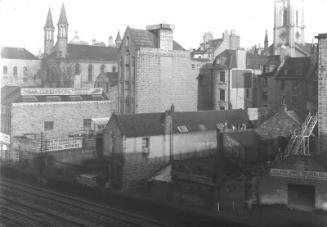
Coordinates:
[299,174]
[60,91]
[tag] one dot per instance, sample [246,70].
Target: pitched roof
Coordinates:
[283,123]
[294,68]
[8,91]
[118,38]
[227,58]
[49,23]
[149,124]
[89,52]
[213,43]
[63,18]
[17,53]
[144,38]
[246,138]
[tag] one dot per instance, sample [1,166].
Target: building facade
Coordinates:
[73,64]
[19,67]
[155,72]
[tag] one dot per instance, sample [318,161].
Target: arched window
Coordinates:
[77,69]
[285,15]
[5,70]
[90,73]
[15,70]
[25,71]
[103,67]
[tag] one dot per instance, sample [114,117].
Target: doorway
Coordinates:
[301,197]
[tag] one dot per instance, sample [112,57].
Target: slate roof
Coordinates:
[144,38]
[8,91]
[150,124]
[49,23]
[89,53]
[212,43]
[248,138]
[294,68]
[283,123]
[63,18]
[17,53]
[255,61]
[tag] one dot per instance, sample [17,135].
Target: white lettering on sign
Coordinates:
[60,91]
[300,174]
[63,144]
[4,138]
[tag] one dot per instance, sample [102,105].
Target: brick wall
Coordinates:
[67,116]
[322,93]
[165,78]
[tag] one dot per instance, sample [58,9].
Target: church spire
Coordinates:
[266,43]
[63,18]
[118,39]
[49,23]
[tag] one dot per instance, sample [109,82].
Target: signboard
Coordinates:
[299,174]
[60,91]
[64,144]
[4,138]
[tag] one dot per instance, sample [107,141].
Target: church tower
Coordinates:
[288,26]
[48,34]
[62,34]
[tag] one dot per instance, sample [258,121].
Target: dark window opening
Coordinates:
[48,125]
[103,67]
[77,69]
[15,70]
[90,73]
[222,95]
[222,77]
[5,70]
[87,123]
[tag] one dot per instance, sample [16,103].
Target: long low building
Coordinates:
[140,144]
[55,112]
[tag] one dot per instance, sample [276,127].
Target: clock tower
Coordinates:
[288,26]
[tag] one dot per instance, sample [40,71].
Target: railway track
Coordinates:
[68,210]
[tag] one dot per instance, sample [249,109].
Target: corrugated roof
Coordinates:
[149,124]
[89,52]
[17,53]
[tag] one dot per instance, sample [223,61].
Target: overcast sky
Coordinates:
[22,21]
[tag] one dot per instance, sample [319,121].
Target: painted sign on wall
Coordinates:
[60,91]
[64,144]
[299,174]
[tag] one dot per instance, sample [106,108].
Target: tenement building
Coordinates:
[73,64]
[155,72]
[19,67]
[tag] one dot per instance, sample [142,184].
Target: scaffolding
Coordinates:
[299,143]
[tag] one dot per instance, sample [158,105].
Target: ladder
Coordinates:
[299,142]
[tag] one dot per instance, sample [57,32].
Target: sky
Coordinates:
[22,21]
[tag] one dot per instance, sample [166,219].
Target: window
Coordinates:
[293,100]
[283,101]
[193,66]
[222,95]
[48,125]
[282,85]
[247,92]
[77,69]
[264,96]
[90,73]
[221,108]
[114,68]
[222,77]
[5,70]
[102,68]
[265,82]
[15,70]
[87,123]
[182,129]
[146,145]
[25,71]
[285,19]
[107,86]
[127,42]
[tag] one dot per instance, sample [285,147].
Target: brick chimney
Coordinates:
[322,92]
[164,34]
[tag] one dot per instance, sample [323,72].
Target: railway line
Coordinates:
[23,201]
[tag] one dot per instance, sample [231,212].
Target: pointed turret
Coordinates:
[266,40]
[118,39]
[48,34]
[49,23]
[62,34]
[63,18]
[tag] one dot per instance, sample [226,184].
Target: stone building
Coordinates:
[138,145]
[19,67]
[74,64]
[109,83]
[210,48]
[155,72]
[54,111]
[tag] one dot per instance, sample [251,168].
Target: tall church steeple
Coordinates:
[266,42]
[288,26]
[62,34]
[48,34]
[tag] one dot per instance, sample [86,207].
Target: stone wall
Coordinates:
[68,117]
[322,92]
[29,78]
[164,78]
